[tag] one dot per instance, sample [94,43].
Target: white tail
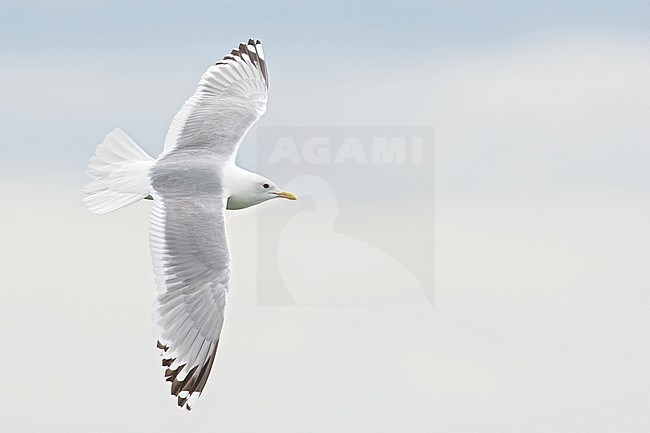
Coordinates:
[119,174]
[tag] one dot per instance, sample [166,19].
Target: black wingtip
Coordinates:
[161,346]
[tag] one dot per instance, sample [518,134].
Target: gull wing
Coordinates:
[192,264]
[189,248]
[231,96]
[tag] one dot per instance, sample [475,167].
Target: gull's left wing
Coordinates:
[191,261]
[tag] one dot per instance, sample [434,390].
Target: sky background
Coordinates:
[540,322]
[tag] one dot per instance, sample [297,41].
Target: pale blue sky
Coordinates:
[62,60]
[90,31]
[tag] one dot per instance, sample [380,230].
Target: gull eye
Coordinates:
[266,186]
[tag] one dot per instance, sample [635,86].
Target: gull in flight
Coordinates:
[192,183]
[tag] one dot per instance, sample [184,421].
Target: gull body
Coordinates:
[192,183]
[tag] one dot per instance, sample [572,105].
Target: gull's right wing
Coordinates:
[231,96]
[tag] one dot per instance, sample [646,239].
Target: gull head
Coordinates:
[248,189]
